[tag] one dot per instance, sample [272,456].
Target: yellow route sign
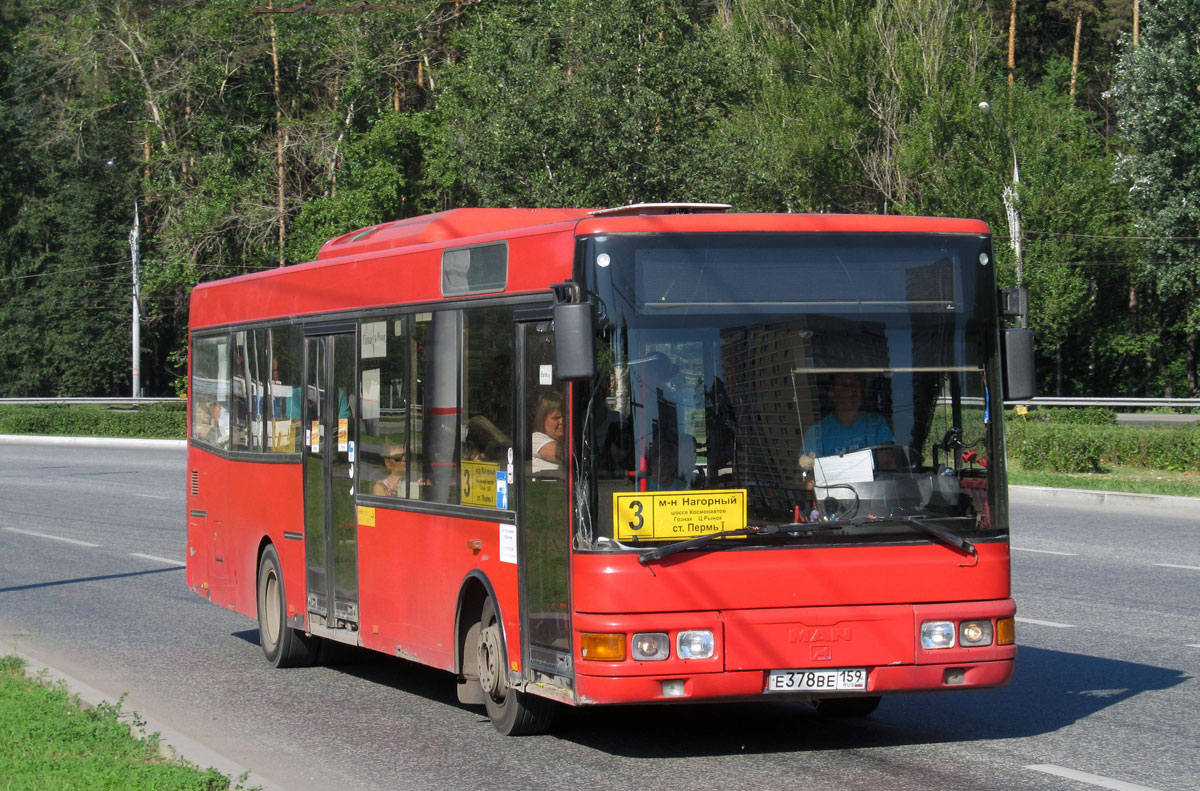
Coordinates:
[659,516]
[481,484]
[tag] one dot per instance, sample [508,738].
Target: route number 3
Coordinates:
[639,521]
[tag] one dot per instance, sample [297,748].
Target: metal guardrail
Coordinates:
[1115,403]
[114,401]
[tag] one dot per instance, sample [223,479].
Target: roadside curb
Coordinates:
[172,744]
[94,442]
[1046,494]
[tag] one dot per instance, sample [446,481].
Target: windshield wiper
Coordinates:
[946,537]
[938,532]
[659,552]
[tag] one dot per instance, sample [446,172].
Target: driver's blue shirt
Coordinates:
[829,437]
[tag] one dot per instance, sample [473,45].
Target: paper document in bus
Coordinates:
[853,467]
[659,516]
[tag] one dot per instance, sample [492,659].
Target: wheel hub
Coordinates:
[490,670]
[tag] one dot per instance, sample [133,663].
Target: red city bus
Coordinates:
[648,454]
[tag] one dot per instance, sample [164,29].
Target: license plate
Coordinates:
[833,679]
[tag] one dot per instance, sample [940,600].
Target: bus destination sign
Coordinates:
[660,516]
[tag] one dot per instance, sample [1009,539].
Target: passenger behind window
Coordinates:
[548,434]
[484,441]
[395,459]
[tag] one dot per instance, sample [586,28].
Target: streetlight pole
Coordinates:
[134,254]
[1011,200]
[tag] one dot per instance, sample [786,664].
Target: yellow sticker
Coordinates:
[478,480]
[658,516]
[366,516]
[343,434]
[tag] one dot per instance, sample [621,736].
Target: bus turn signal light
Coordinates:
[1006,631]
[602,647]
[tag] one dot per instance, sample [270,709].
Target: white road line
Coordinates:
[52,538]
[1175,566]
[1055,624]
[1043,551]
[1192,645]
[1085,777]
[152,496]
[158,559]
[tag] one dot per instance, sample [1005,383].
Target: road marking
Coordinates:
[1175,566]
[157,558]
[152,496]
[1085,777]
[52,538]
[1043,551]
[1055,624]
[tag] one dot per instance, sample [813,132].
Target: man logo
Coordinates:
[822,653]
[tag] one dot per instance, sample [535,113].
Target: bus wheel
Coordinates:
[282,645]
[846,707]
[512,712]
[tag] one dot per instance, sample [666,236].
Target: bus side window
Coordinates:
[210,390]
[283,427]
[487,410]
[385,395]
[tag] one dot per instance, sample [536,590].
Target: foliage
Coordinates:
[249,139]
[1066,447]
[48,742]
[1156,92]
[152,421]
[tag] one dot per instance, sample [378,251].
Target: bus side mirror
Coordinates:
[1017,353]
[574,338]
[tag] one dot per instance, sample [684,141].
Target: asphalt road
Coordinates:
[1105,694]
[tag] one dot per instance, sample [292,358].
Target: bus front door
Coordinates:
[330,519]
[544,512]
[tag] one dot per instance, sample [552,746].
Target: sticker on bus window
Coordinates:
[374,339]
[478,483]
[502,489]
[545,374]
[508,543]
[660,516]
[316,437]
[343,434]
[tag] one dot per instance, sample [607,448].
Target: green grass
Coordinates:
[1113,479]
[48,742]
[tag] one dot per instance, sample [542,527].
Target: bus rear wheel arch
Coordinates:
[282,645]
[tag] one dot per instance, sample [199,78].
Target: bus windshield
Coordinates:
[834,383]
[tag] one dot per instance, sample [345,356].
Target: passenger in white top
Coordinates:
[550,429]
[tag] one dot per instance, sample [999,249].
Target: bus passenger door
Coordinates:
[330,518]
[542,516]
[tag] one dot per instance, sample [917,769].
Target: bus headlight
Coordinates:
[937,634]
[651,646]
[695,644]
[973,633]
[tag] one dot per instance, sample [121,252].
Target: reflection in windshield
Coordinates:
[819,413]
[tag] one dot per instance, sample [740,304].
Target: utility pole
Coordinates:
[1011,201]
[134,254]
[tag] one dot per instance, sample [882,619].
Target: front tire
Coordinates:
[282,645]
[512,712]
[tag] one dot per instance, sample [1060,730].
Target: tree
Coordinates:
[1158,98]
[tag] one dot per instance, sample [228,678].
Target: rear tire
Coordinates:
[282,645]
[512,712]
[846,707]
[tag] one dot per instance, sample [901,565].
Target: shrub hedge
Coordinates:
[1049,446]
[151,421]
